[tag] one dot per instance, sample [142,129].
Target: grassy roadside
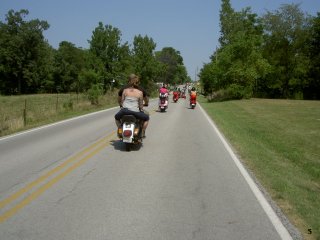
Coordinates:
[18,113]
[279,141]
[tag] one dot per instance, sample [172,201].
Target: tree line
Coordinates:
[28,64]
[276,55]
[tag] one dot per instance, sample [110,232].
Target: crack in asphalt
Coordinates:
[76,185]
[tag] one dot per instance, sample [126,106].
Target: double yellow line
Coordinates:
[77,160]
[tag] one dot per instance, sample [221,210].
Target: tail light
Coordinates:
[136,131]
[127,133]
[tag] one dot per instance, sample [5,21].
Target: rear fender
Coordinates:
[128,126]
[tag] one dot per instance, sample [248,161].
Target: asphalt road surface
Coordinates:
[74,180]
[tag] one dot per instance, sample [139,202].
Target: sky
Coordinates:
[189,26]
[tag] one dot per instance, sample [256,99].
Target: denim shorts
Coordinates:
[125,111]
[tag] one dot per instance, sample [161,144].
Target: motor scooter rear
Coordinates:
[130,131]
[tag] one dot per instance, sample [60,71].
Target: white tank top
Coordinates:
[131,103]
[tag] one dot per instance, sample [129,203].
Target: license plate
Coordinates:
[127,140]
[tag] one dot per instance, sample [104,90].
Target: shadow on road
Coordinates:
[120,146]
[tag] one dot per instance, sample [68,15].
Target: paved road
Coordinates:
[74,180]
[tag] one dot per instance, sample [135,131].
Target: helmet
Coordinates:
[193,89]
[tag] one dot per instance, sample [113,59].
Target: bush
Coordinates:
[94,94]
[232,92]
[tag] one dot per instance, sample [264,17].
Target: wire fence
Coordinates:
[19,112]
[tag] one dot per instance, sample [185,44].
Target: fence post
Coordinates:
[57,102]
[25,113]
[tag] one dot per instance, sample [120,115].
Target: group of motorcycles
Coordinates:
[163,100]
[130,131]
[178,94]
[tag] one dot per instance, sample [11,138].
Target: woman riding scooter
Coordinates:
[193,97]
[132,103]
[163,98]
[175,95]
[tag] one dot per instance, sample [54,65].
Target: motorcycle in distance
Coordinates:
[130,131]
[193,101]
[163,102]
[175,96]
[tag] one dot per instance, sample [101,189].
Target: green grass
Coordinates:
[279,141]
[42,109]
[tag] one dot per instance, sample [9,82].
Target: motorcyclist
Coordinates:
[193,91]
[183,92]
[145,94]
[175,94]
[193,95]
[164,90]
[131,102]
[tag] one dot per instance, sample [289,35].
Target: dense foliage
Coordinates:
[276,55]
[28,64]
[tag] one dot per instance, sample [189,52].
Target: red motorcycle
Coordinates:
[193,101]
[175,96]
[163,102]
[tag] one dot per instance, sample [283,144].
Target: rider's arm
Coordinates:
[123,96]
[120,101]
[140,99]
[145,98]
[146,101]
[120,97]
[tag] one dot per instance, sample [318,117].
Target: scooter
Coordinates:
[175,96]
[130,131]
[163,102]
[193,102]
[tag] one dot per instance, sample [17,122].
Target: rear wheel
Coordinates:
[128,147]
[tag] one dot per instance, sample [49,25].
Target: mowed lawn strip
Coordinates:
[279,141]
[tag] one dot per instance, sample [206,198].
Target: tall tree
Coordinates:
[286,34]
[173,69]
[238,64]
[312,88]
[23,54]
[144,62]
[226,22]
[106,44]
[69,62]
[209,77]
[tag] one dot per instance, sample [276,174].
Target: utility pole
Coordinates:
[195,75]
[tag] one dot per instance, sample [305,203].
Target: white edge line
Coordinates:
[53,124]
[282,231]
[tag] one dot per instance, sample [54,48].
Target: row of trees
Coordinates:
[276,55]
[28,64]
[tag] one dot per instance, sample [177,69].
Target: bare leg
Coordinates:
[118,123]
[144,127]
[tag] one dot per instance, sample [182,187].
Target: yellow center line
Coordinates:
[40,190]
[27,188]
